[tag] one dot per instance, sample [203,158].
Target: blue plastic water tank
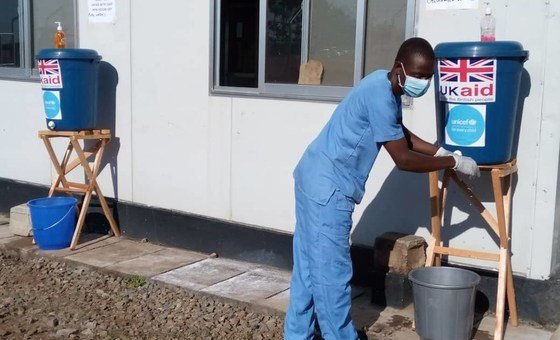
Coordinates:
[69,80]
[477,90]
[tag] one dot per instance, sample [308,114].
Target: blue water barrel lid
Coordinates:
[68,53]
[474,49]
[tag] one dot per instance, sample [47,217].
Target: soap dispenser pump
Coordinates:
[488,25]
[59,36]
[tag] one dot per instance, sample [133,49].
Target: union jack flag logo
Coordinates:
[467,70]
[48,67]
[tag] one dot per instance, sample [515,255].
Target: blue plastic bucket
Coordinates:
[53,220]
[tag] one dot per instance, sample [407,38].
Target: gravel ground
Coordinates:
[44,299]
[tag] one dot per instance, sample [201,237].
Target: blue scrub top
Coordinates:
[342,155]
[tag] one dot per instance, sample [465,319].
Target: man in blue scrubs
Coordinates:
[330,180]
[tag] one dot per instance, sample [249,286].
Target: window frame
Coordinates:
[293,91]
[28,70]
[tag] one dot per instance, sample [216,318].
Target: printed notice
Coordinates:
[101,10]
[451,4]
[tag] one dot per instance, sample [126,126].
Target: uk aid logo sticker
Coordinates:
[51,101]
[50,74]
[466,125]
[471,80]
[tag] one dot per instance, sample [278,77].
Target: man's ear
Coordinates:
[396,68]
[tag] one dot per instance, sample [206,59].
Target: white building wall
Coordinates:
[23,156]
[232,157]
[112,41]
[535,26]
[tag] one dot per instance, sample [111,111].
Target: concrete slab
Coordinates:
[5,231]
[556,334]
[120,251]
[252,286]
[22,245]
[363,312]
[205,273]
[485,331]
[87,242]
[159,262]
[279,301]
[394,324]
[4,219]
[8,239]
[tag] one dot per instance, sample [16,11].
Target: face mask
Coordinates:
[414,87]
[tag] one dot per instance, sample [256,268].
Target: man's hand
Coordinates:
[441,152]
[466,165]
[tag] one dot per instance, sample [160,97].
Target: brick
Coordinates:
[391,289]
[20,220]
[399,253]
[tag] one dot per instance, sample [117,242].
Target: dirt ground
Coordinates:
[46,299]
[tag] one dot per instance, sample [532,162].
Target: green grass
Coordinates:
[135,281]
[112,335]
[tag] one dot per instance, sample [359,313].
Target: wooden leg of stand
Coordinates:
[430,253]
[88,192]
[512,305]
[497,185]
[107,211]
[81,219]
[435,217]
[104,205]
[60,173]
[501,298]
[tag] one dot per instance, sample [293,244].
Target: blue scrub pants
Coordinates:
[322,270]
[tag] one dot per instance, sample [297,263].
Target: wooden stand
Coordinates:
[501,177]
[63,168]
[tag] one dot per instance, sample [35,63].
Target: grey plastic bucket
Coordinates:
[444,302]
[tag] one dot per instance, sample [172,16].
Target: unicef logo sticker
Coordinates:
[466,125]
[51,100]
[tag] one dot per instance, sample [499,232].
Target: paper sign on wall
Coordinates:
[101,11]
[451,4]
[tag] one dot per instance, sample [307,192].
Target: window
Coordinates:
[26,27]
[316,49]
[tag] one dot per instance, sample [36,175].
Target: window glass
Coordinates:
[28,26]
[260,45]
[44,14]
[239,43]
[332,39]
[386,25]
[9,34]
[283,41]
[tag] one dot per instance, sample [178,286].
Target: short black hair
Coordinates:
[415,47]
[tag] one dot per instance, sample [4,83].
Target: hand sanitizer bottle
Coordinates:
[488,25]
[59,36]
